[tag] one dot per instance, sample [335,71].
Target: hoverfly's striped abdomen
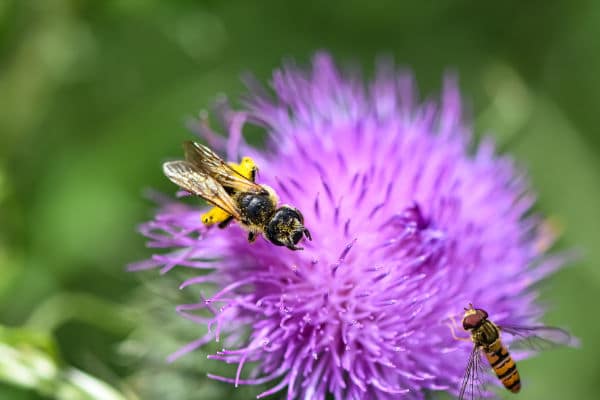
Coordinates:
[504,366]
[486,339]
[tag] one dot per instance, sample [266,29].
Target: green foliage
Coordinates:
[28,359]
[94,96]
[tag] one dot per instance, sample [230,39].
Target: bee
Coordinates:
[232,189]
[486,339]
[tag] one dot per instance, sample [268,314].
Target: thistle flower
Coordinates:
[410,222]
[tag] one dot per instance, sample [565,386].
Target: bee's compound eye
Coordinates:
[299,215]
[297,236]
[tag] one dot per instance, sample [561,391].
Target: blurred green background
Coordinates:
[94,95]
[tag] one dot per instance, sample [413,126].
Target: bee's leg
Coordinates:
[247,168]
[226,222]
[214,216]
[251,236]
[294,247]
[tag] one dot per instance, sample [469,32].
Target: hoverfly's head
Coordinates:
[286,228]
[473,318]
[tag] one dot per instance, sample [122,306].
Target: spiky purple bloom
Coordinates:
[409,225]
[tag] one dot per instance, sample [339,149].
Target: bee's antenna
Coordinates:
[307,234]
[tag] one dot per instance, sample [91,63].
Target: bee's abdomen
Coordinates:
[504,366]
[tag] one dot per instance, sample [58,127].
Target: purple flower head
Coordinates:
[409,225]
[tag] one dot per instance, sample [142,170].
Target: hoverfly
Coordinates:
[487,341]
[232,189]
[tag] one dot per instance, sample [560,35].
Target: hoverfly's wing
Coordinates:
[190,178]
[538,338]
[207,161]
[477,378]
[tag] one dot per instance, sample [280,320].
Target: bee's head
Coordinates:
[286,228]
[473,317]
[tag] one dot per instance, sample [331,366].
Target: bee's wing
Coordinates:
[206,160]
[538,338]
[190,178]
[474,382]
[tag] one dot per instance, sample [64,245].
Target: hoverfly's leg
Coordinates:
[226,222]
[452,325]
[214,216]
[251,236]
[247,168]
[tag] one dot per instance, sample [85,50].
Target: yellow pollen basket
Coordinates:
[247,168]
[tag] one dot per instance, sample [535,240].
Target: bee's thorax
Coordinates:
[257,209]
